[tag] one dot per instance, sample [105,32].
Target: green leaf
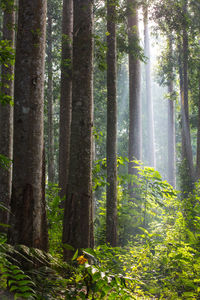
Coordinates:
[68,247]
[26,282]
[106,289]
[75,255]
[189,294]
[26,289]
[14,288]
[96,276]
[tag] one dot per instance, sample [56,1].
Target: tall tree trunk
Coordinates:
[187,157]
[27,218]
[77,227]
[111,195]
[150,125]
[134,89]
[171,124]
[198,137]
[6,115]
[66,95]
[50,154]
[187,163]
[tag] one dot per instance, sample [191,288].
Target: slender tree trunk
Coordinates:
[187,176]
[150,126]
[27,218]
[6,115]
[171,139]
[134,89]
[50,154]
[66,95]
[198,137]
[171,125]
[77,227]
[111,196]
[187,157]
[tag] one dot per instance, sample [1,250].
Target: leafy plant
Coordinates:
[5,162]
[93,281]
[19,283]
[55,218]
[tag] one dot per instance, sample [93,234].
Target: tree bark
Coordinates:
[187,157]
[111,195]
[77,227]
[6,116]
[150,125]
[198,137]
[135,133]
[171,125]
[187,176]
[66,95]
[50,154]
[27,218]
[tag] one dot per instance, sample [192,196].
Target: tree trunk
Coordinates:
[77,227]
[171,139]
[111,195]
[187,157]
[171,125]
[66,95]
[6,115]
[27,204]
[187,162]
[50,154]
[134,89]
[198,138]
[150,126]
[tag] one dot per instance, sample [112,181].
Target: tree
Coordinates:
[171,119]
[198,136]
[6,112]
[111,195]
[77,227]
[134,87]
[66,95]
[187,157]
[51,167]
[28,216]
[177,23]
[150,125]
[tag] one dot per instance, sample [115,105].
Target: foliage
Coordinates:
[12,276]
[5,162]
[6,60]
[161,261]
[6,53]
[93,281]
[19,283]
[164,269]
[8,5]
[47,277]
[150,197]
[55,218]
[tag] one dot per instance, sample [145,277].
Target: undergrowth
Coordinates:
[160,260]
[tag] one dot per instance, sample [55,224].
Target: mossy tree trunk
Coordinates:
[6,114]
